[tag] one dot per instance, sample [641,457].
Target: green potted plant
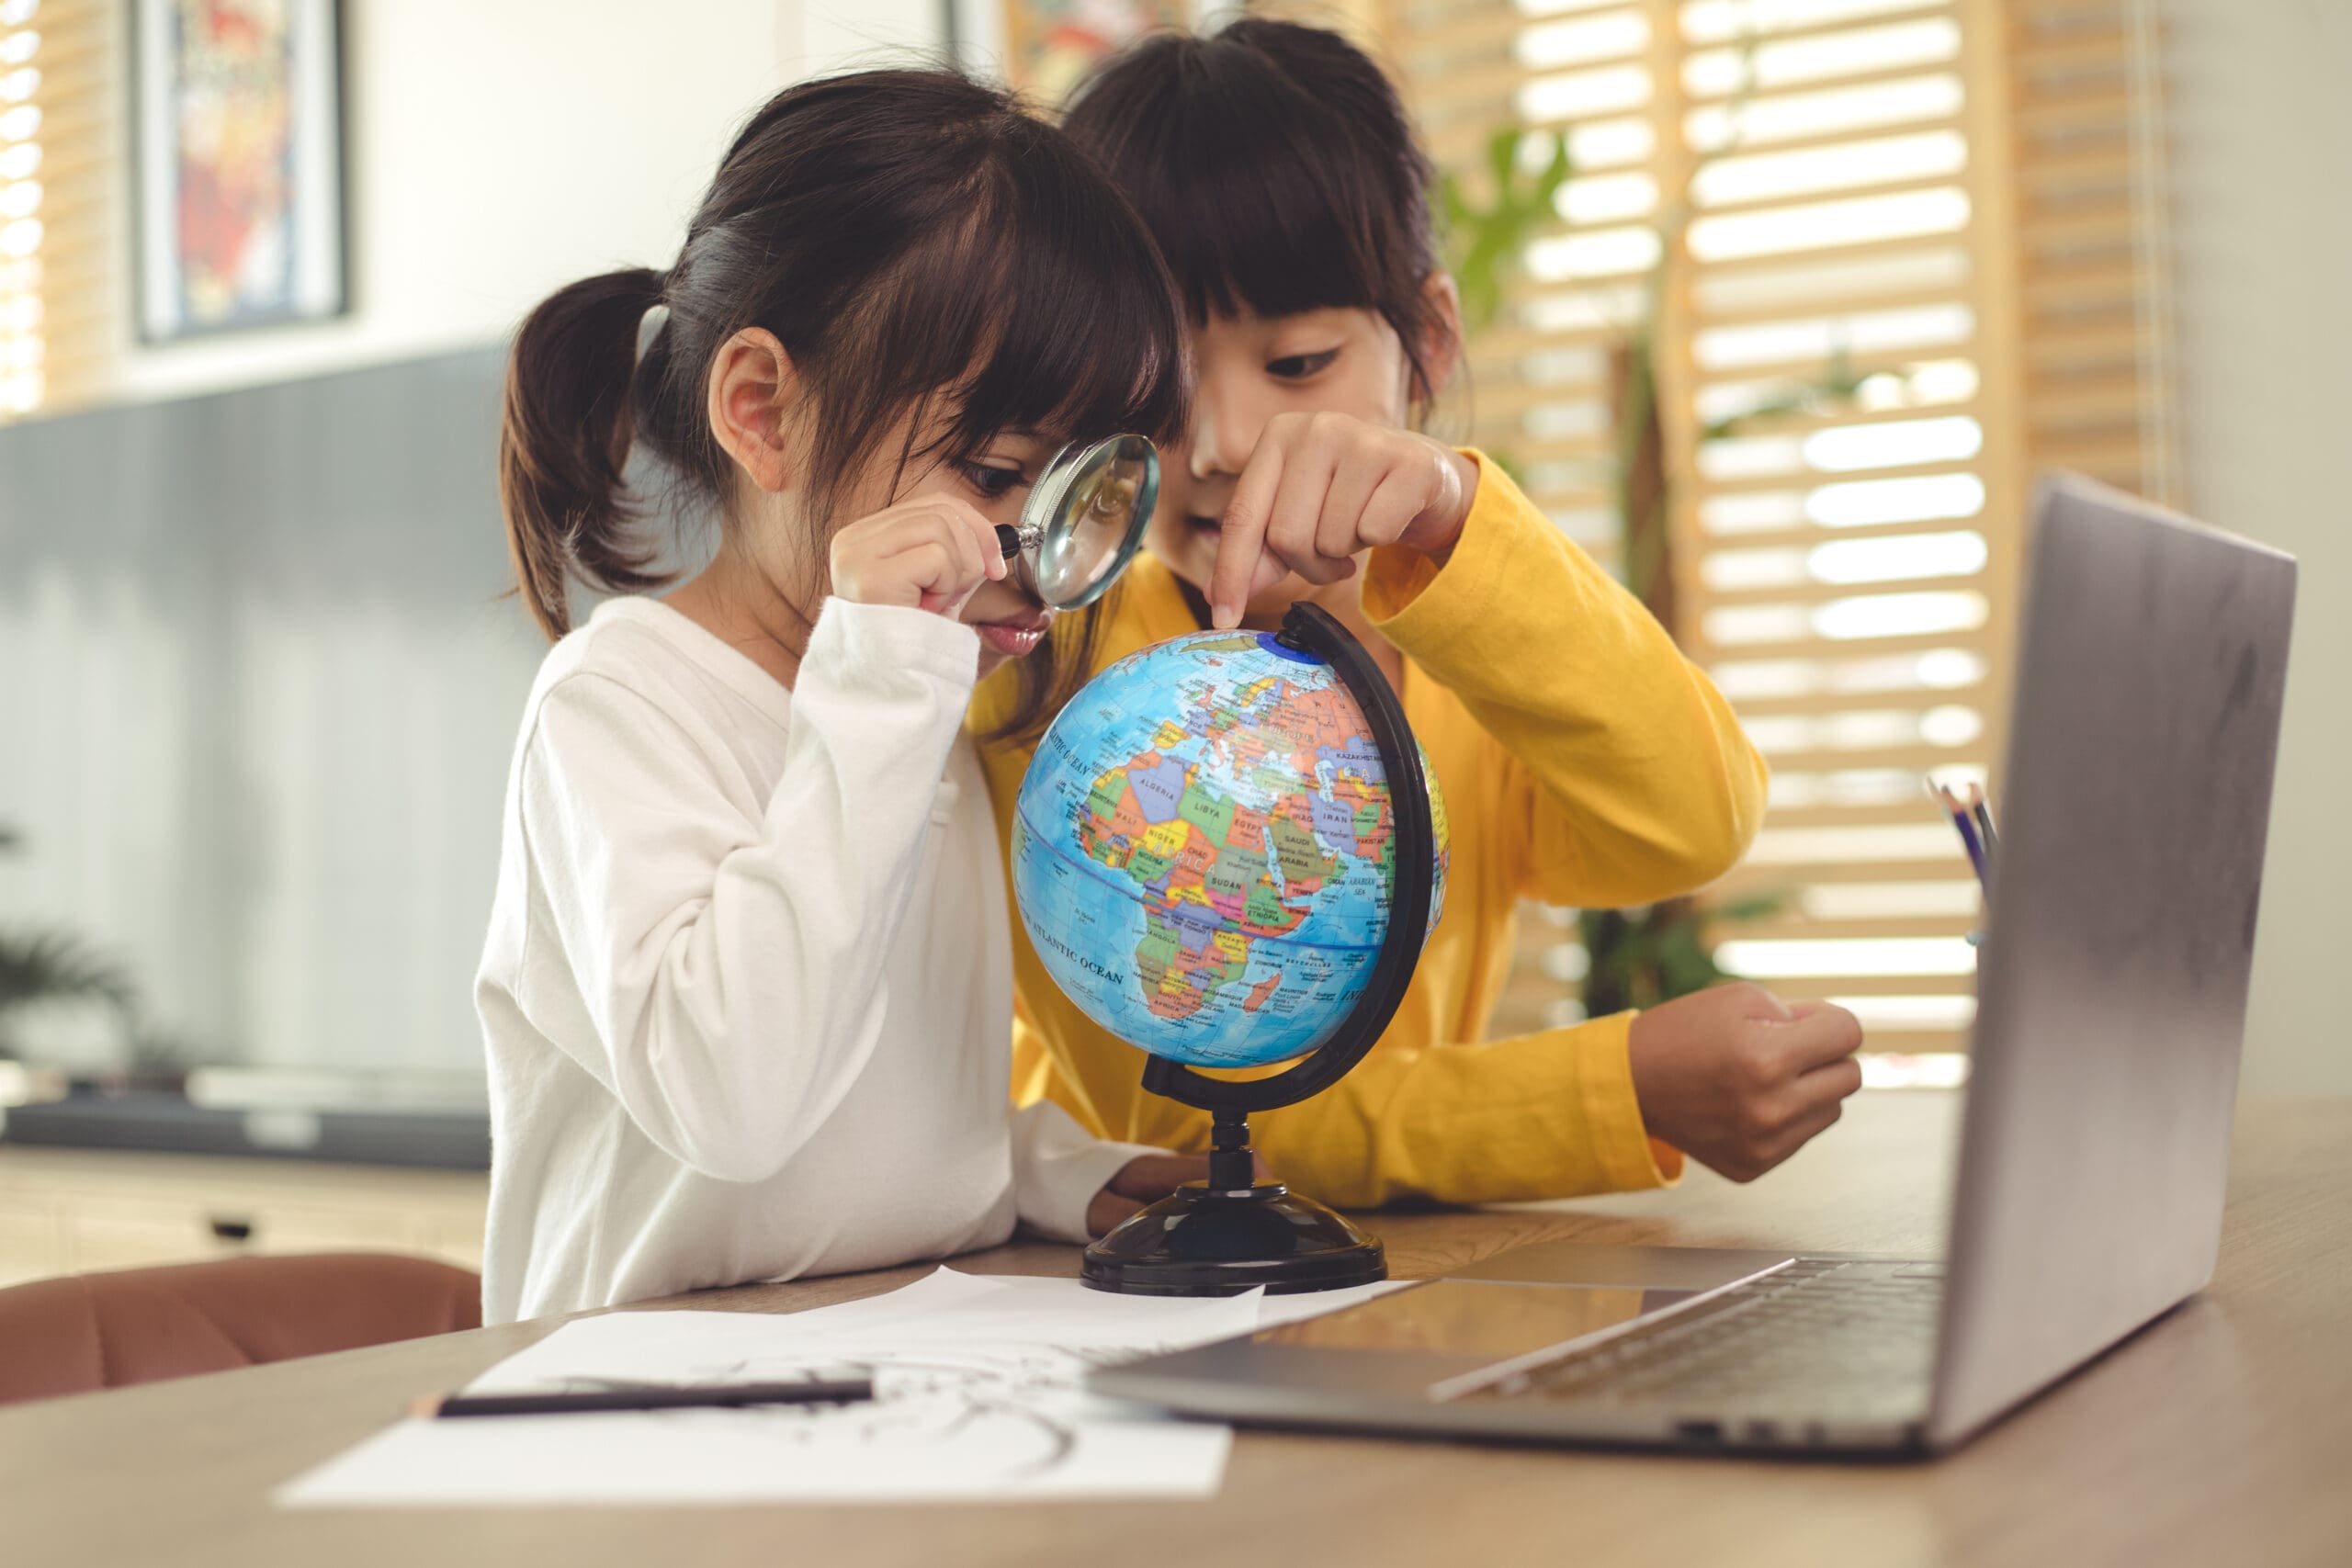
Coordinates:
[66,1006]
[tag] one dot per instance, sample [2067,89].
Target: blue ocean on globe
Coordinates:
[1204,848]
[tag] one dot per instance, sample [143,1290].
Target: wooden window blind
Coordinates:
[1896,253]
[61,147]
[1540,390]
[2094,295]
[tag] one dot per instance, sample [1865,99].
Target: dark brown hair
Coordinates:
[916,243]
[1277,169]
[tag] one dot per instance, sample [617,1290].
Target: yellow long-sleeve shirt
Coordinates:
[1583,760]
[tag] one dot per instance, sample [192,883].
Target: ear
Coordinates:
[752,394]
[1441,348]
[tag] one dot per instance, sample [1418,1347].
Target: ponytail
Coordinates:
[564,442]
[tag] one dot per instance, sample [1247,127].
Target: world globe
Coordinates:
[1203,850]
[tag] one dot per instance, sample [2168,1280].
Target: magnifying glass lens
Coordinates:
[1087,513]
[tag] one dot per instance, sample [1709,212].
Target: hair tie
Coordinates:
[649,325]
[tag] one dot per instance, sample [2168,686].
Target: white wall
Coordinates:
[2262,230]
[256,748]
[499,148]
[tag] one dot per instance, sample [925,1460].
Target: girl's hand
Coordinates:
[929,552]
[1738,1079]
[1319,489]
[1146,1179]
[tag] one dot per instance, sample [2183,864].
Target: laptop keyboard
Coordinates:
[1826,1331]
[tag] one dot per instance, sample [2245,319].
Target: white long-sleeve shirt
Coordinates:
[747,995]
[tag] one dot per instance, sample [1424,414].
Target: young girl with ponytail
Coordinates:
[747,991]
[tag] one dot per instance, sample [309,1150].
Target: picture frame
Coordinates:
[1040,47]
[238,169]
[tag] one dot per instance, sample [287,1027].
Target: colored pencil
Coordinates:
[1982,809]
[1965,826]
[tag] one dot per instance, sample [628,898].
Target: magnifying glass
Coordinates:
[1083,519]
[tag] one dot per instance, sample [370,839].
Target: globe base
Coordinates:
[1202,1241]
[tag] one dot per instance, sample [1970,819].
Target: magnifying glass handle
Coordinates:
[1008,540]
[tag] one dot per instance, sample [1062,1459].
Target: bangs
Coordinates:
[1044,311]
[1091,343]
[1273,184]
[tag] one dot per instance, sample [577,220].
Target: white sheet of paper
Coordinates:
[979,1397]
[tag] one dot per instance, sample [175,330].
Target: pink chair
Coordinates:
[93,1331]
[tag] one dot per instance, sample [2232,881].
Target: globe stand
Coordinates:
[1233,1233]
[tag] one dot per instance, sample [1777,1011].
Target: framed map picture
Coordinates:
[1048,44]
[238,177]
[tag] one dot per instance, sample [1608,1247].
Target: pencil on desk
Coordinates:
[847,1390]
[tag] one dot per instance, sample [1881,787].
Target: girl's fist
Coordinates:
[929,552]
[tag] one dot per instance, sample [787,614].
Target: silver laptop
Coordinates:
[2095,1138]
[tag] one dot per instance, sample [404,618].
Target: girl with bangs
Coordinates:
[1583,760]
[746,993]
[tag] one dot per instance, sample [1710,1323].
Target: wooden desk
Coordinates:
[2222,1435]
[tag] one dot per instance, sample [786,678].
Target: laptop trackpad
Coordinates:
[1649,1267]
[1477,1322]
[1394,1349]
